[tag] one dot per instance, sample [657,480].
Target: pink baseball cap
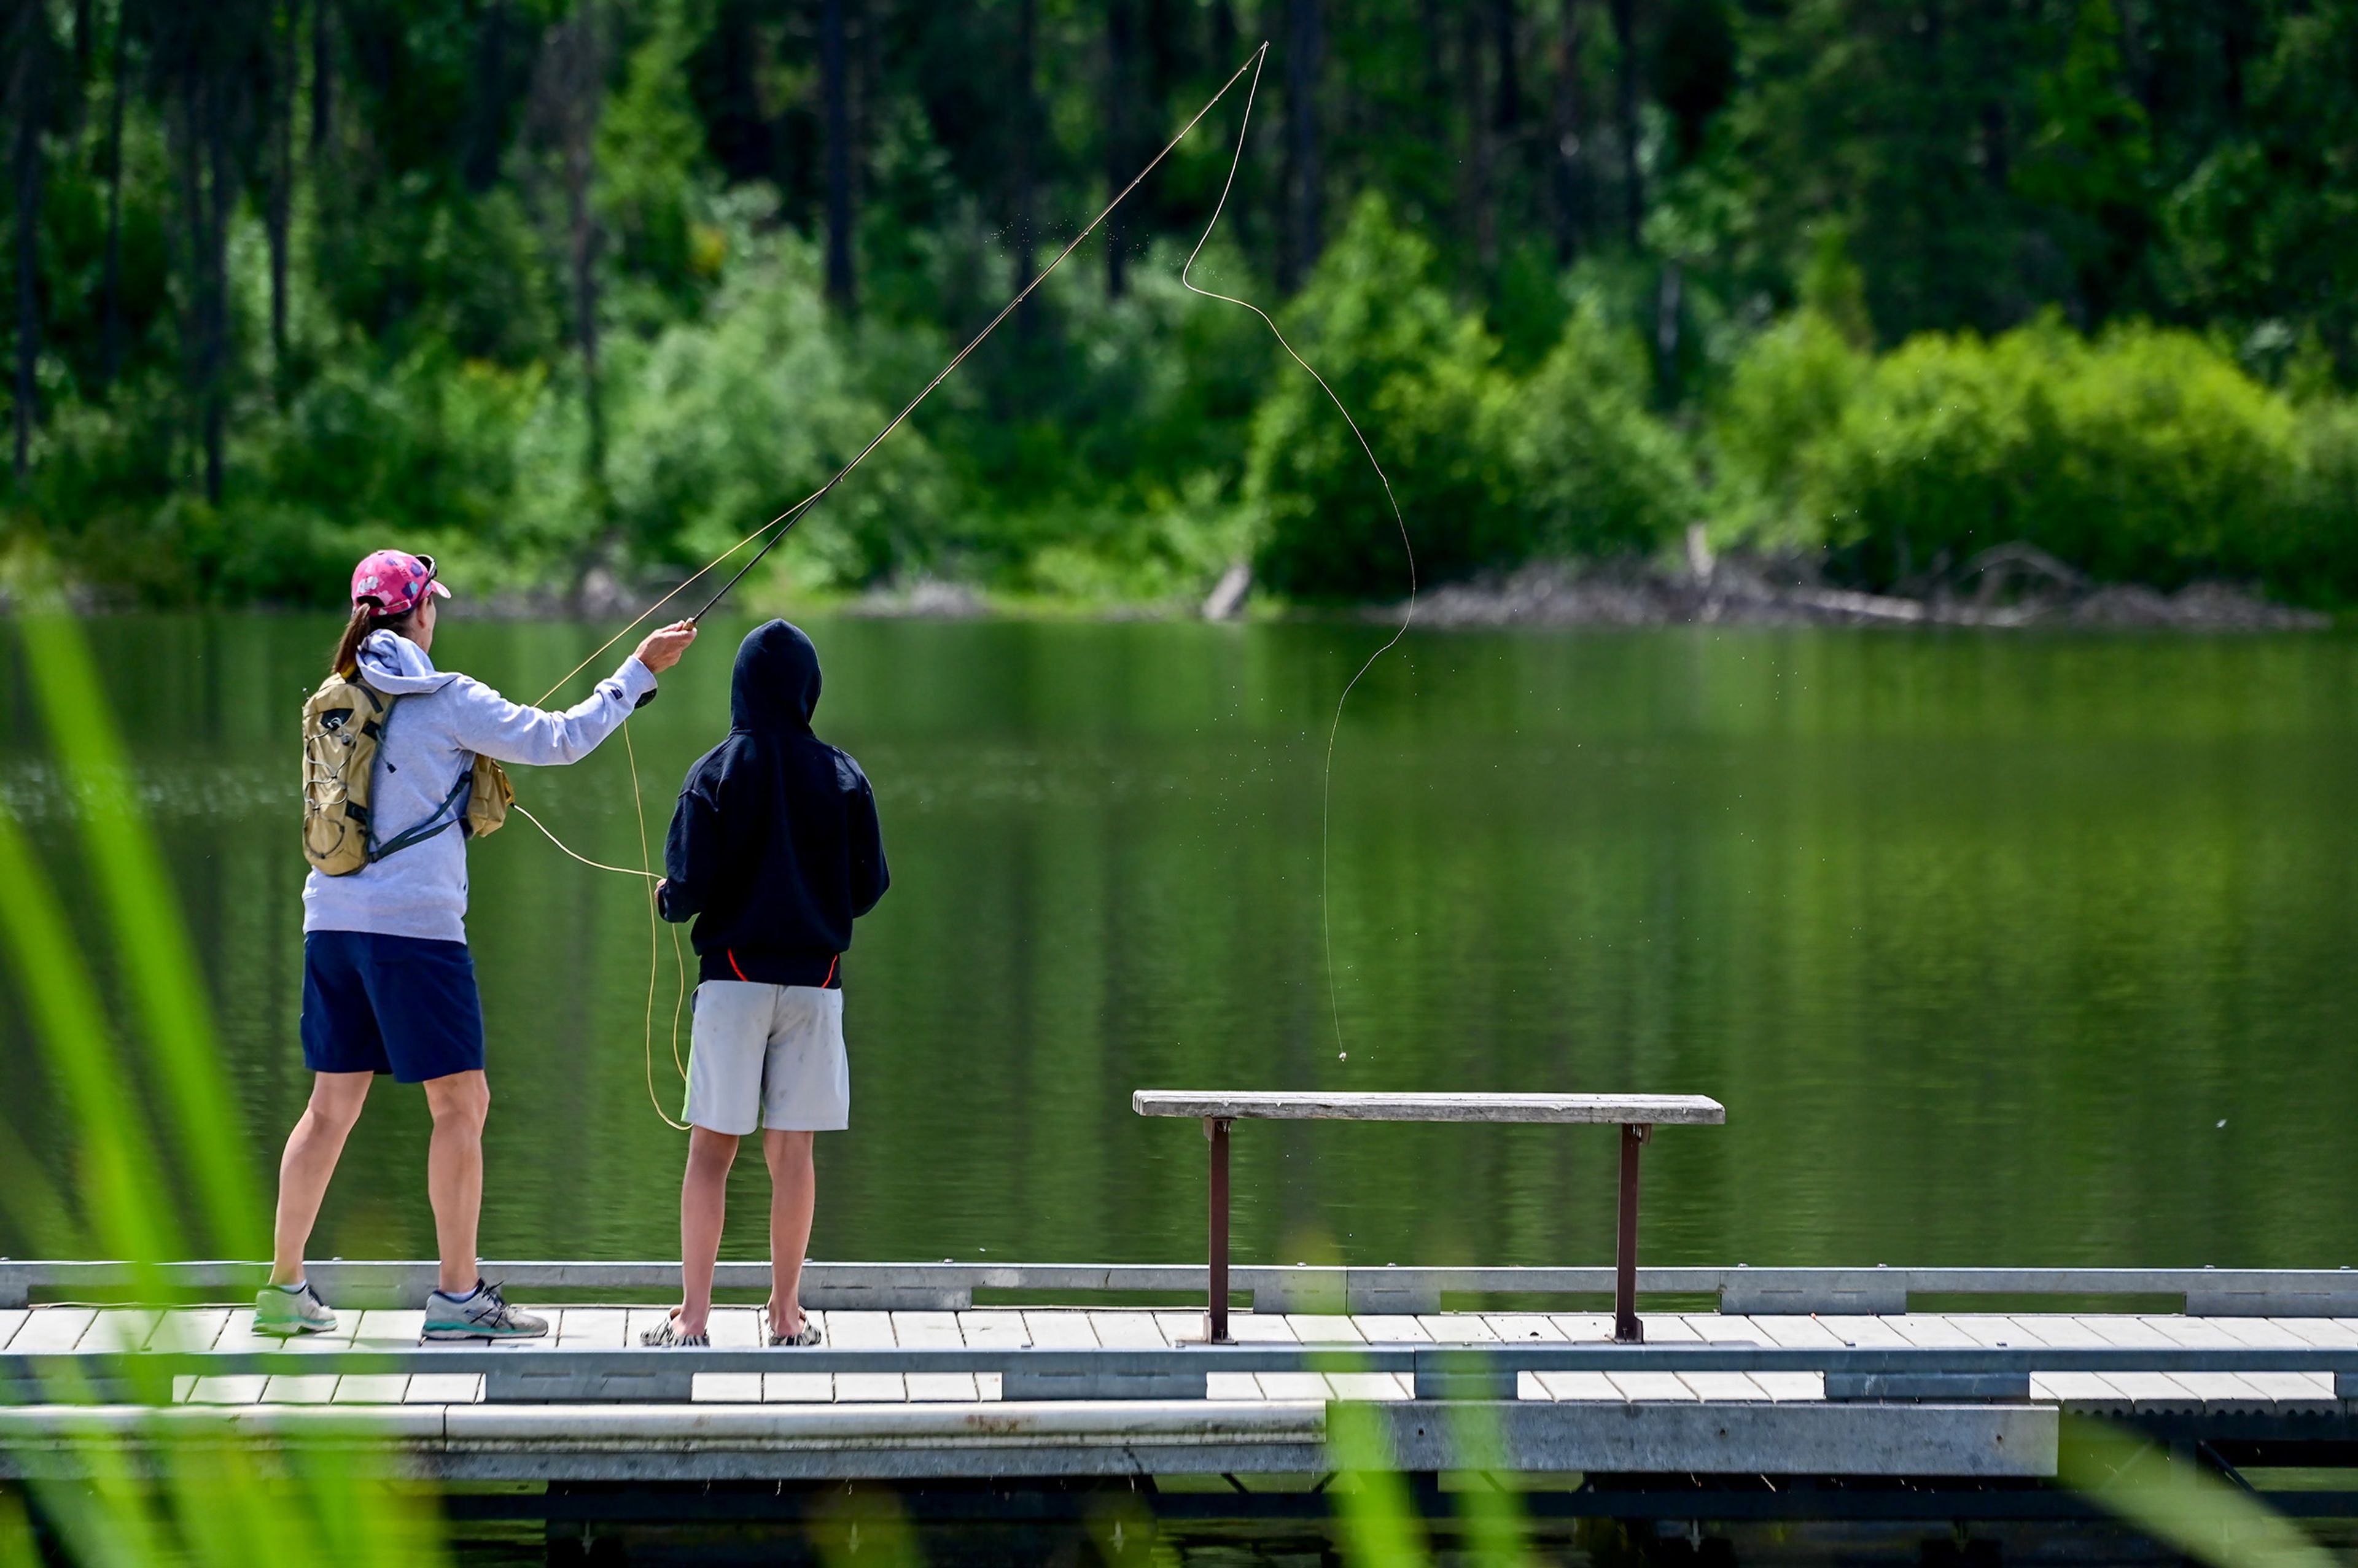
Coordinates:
[396,580]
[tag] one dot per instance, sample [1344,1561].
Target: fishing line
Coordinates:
[783,524]
[1326,783]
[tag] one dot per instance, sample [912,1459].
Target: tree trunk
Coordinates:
[215,363]
[1298,246]
[1481,208]
[1022,173]
[1120,86]
[29,95]
[1567,203]
[111,288]
[1633,181]
[835,95]
[282,187]
[582,227]
[1508,117]
[323,74]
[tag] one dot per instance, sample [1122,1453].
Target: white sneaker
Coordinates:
[286,1311]
[484,1314]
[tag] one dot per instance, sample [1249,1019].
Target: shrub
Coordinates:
[1597,473]
[2145,456]
[720,424]
[1420,378]
[1786,391]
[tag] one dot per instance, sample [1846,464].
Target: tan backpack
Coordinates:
[343,727]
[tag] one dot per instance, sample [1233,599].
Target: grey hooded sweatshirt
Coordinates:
[438,728]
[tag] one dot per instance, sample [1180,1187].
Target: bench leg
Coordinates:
[1627,1329]
[1216,1323]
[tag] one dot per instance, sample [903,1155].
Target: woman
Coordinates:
[388,985]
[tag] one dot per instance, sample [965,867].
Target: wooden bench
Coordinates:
[1637,1115]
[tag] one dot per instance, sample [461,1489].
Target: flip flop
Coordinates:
[666,1336]
[802,1338]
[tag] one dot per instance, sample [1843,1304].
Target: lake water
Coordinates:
[2030,950]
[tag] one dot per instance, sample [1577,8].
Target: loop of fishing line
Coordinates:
[1327,782]
[779,526]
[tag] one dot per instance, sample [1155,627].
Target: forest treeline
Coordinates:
[565,289]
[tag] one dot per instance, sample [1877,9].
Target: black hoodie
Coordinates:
[775,848]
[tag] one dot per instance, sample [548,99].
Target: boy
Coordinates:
[773,852]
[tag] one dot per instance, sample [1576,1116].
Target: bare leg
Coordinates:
[454,1171]
[794,1197]
[703,1205]
[312,1151]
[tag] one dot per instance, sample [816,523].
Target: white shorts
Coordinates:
[771,1054]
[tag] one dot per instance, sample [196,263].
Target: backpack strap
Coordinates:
[436,821]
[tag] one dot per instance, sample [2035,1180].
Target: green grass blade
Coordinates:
[159,963]
[1379,1527]
[119,1173]
[2179,1503]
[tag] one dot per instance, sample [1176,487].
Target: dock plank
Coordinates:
[1389,1328]
[726,1388]
[2130,1333]
[742,1327]
[1261,1329]
[2310,1393]
[1736,1385]
[445,1388]
[593,1328]
[1180,1328]
[2156,1390]
[1584,1325]
[1930,1330]
[1572,1386]
[1059,1329]
[1664,1328]
[797,1388]
[190,1329]
[1323,1328]
[1650,1386]
[955,1387]
[372,1389]
[2258,1333]
[240,1390]
[389,1327]
[2195,1333]
[993,1329]
[11,1320]
[1787,1387]
[1129,1331]
[1521,1327]
[2221,1391]
[299,1389]
[1456,1328]
[2340,1333]
[53,1328]
[871,1388]
[2088,1391]
[929,1330]
[1865,1331]
[1295,1386]
[1369,1386]
[1790,1329]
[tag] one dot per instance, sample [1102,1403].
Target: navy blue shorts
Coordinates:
[402,1005]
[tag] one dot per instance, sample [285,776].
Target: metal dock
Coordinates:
[948,1389]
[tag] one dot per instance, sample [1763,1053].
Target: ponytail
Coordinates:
[365,621]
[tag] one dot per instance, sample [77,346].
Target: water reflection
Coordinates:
[1980,939]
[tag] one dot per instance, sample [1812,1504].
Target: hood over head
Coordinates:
[775,684]
[392,664]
